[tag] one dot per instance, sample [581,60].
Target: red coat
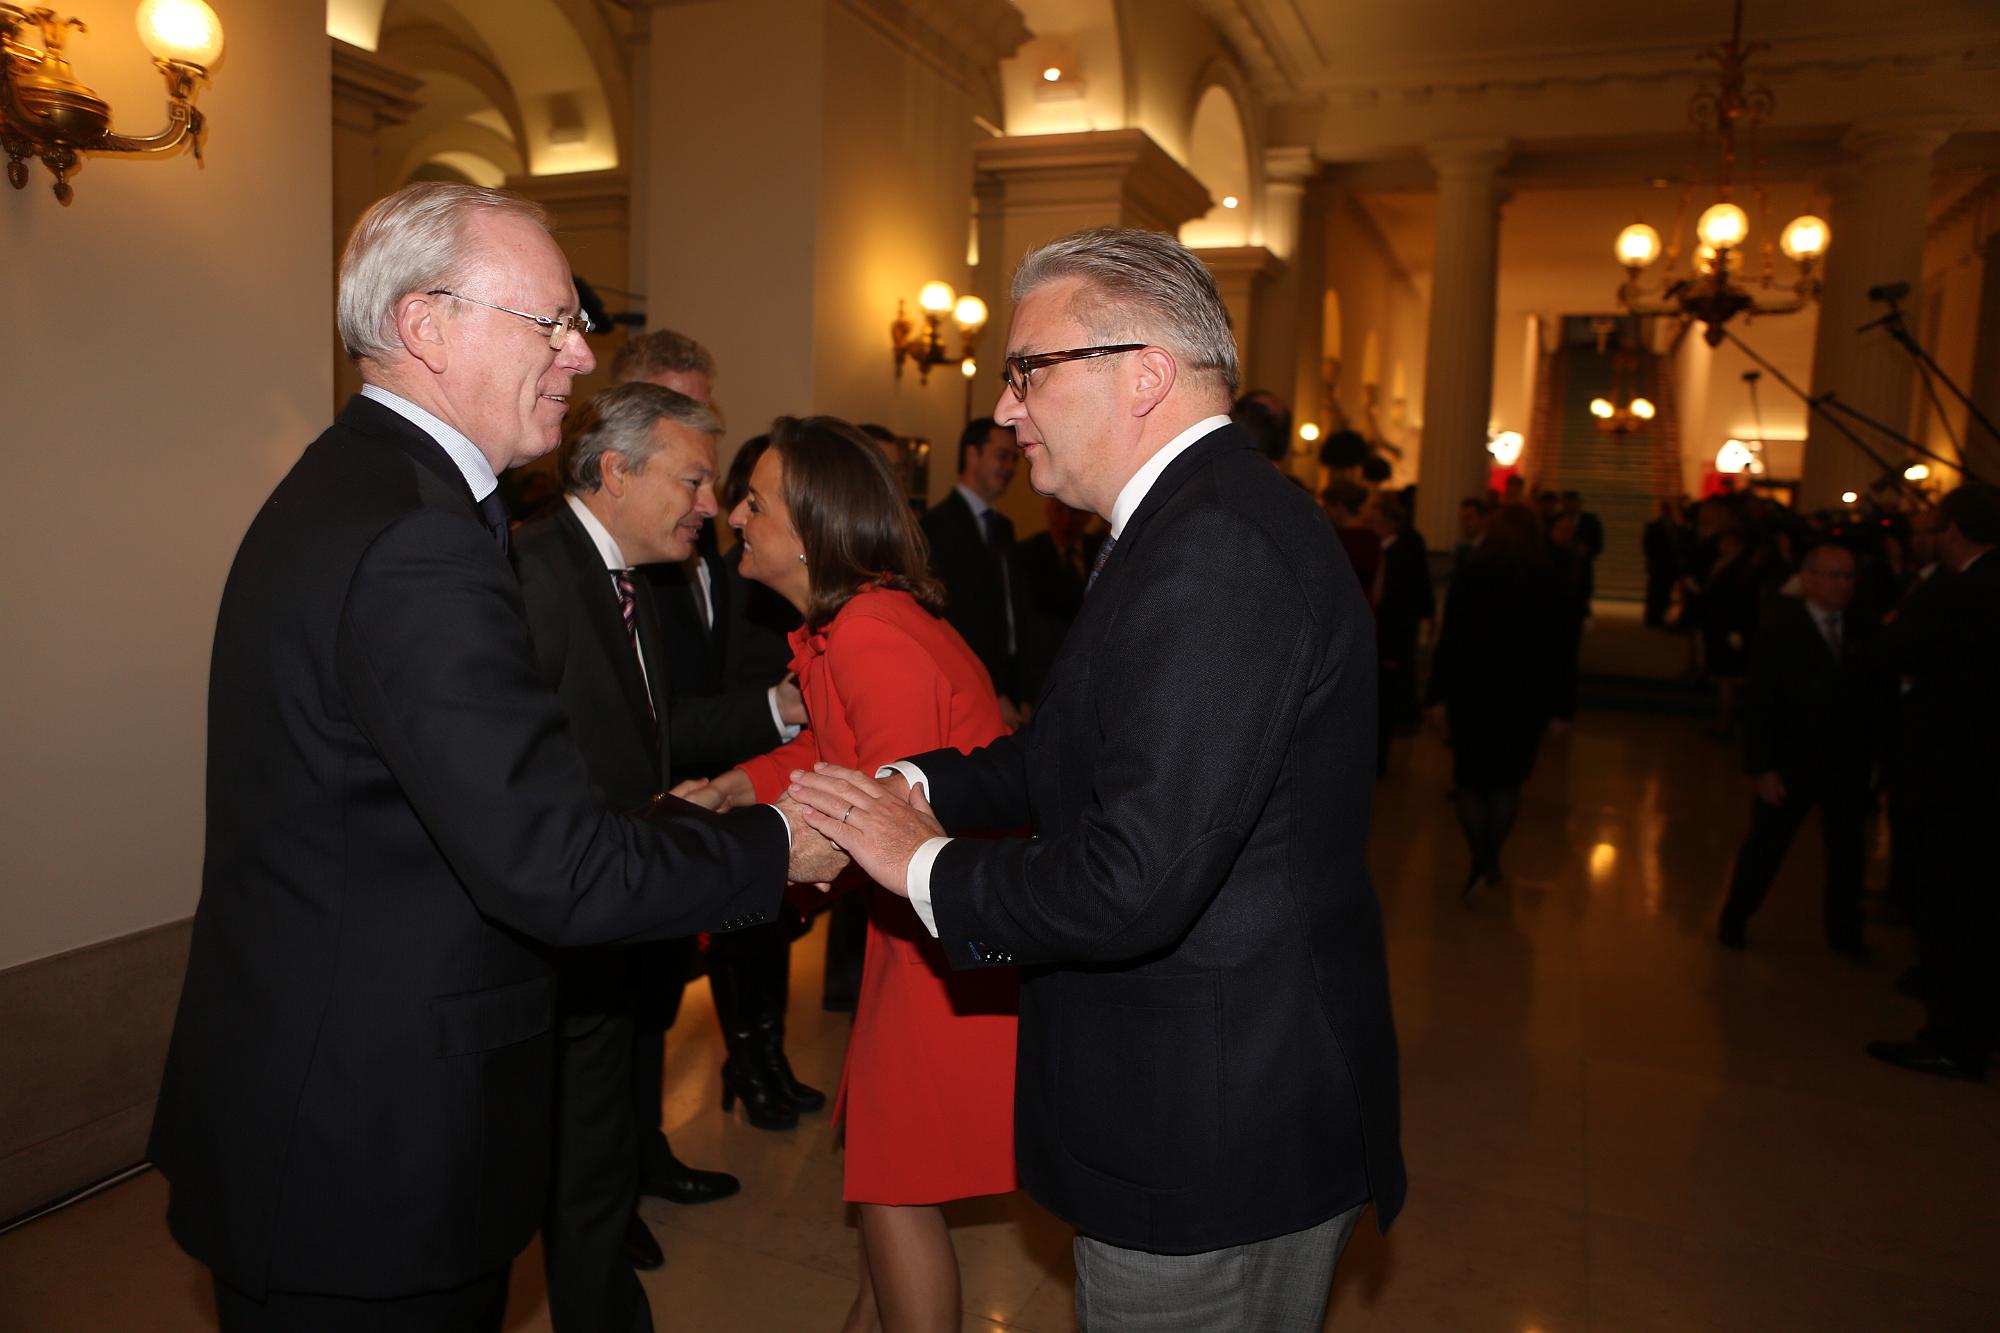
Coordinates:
[927,1094]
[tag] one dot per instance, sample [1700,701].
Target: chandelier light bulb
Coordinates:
[1638,246]
[1723,226]
[1733,457]
[969,314]
[968,367]
[1506,448]
[1917,472]
[1643,409]
[1704,258]
[937,297]
[1308,431]
[1804,239]
[1602,409]
[184,31]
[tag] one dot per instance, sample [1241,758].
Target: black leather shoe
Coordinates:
[681,1183]
[1923,1058]
[764,1105]
[642,1251]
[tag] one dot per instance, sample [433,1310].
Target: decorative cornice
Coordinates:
[964,40]
[364,82]
[1233,260]
[1064,169]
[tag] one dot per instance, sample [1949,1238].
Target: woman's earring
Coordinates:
[802,557]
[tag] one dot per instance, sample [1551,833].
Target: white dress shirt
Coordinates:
[1133,494]
[477,470]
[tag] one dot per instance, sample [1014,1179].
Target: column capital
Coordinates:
[1468,158]
[1899,139]
[369,93]
[1123,173]
[1289,165]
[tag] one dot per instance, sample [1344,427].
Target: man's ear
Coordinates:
[420,324]
[1154,380]
[612,474]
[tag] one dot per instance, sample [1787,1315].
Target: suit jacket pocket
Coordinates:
[1139,1077]
[489,1019]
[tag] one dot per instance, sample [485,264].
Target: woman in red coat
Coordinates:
[927,1095]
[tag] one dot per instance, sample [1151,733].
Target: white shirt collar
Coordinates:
[973,498]
[607,545]
[1134,494]
[477,470]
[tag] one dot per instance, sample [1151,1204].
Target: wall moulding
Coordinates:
[1056,171]
[964,40]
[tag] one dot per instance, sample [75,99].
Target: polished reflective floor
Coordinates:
[1610,1122]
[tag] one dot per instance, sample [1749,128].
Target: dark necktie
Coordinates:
[1103,554]
[628,608]
[494,510]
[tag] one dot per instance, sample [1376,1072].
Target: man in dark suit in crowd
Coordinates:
[972,550]
[1661,546]
[638,471]
[355,1114]
[1053,566]
[1207,1078]
[1344,502]
[716,725]
[1404,602]
[1944,649]
[1813,715]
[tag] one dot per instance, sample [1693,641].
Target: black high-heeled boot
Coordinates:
[744,1074]
[771,972]
[770,1049]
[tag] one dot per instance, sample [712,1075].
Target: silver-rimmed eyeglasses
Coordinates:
[1015,370]
[559,327]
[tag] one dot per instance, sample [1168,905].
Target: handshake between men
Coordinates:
[837,813]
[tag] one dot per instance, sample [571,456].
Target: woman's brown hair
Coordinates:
[851,517]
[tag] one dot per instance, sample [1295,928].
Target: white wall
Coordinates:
[164,361]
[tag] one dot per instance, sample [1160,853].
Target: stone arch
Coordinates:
[1221,154]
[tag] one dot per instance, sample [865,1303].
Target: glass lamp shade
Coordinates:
[969,314]
[184,31]
[1638,245]
[1804,239]
[1602,409]
[1643,409]
[937,297]
[1723,226]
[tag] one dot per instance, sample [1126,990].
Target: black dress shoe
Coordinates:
[1924,1058]
[681,1183]
[642,1251]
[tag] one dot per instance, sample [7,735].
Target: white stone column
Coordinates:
[1458,350]
[1879,213]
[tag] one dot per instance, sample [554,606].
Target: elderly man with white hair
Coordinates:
[355,1116]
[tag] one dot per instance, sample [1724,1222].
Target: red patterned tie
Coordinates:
[628,607]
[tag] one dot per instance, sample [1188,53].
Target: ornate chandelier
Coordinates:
[1720,286]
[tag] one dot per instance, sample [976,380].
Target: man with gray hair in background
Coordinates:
[1207,1079]
[355,1114]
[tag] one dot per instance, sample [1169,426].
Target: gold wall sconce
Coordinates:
[927,349]
[46,113]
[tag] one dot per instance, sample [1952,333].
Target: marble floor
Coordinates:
[1610,1122]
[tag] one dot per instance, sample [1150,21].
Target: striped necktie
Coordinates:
[628,608]
[1097,566]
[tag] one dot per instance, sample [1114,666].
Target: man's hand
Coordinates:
[699,791]
[1771,788]
[1011,716]
[879,827]
[814,859]
[791,704]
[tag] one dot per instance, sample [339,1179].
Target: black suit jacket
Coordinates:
[1407,598]
[1206,1052]
[1944,646]
[358,1091]
[976,593]
[1811,718]
[714,725]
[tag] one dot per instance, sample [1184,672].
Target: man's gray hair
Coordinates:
[414,240]
[620,421]
[1139,286]
[661,352]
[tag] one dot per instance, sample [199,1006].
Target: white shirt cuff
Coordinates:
[787,731]
[911,774]
[788,826]
[918,882]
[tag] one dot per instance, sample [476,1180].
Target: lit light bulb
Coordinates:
[1052,75]
[1506,448]
[968,367]
[1804,239]
[1308,431]
[1602,409]
[1916,472]
[1704,258]
[969,314]
[936,297]
[1723,226]
[184,31]
[1732,457]
[1638,246]
[1230,201]
[1848,497]
[1643,409]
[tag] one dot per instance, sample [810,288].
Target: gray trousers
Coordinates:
[1273,1286]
